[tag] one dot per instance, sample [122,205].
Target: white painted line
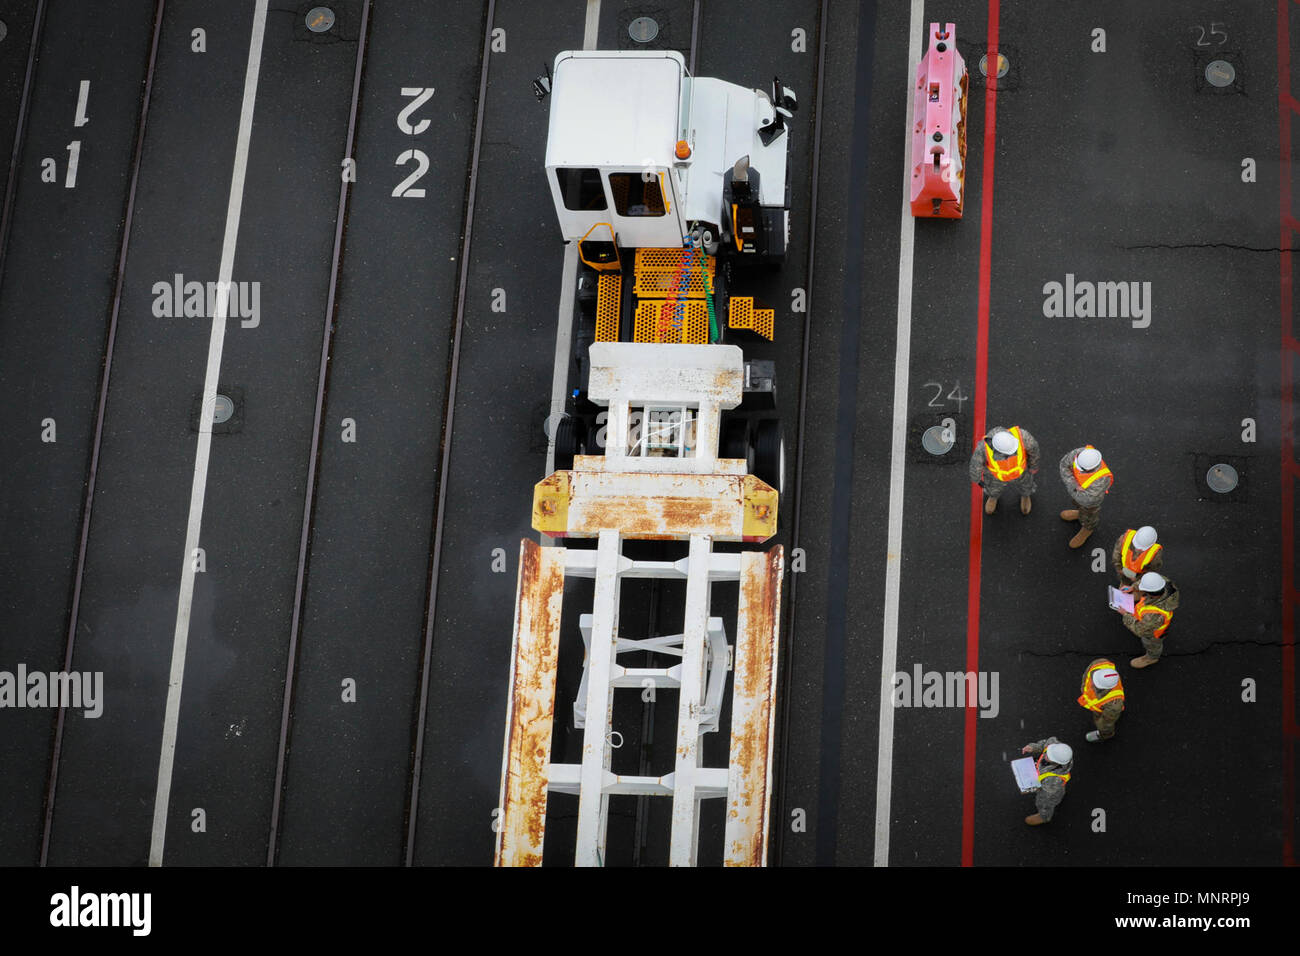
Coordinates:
[897,463]
[199,487]
[569,275]
[563,346]
[593,21]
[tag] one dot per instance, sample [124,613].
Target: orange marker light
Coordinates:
[683,149]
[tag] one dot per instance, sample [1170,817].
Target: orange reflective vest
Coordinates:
[1136,562]
[1038,765]
[1142,608]
[1008,469]
[1089,700]
[1085,478]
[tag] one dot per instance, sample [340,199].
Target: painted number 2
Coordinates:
[418,95]
[404,188]
[956,395]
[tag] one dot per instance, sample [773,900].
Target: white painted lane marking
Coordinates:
[199,487]
[593,21]
[564,326]
[897,463]
[563,346]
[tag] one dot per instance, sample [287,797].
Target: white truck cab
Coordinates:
[638,145]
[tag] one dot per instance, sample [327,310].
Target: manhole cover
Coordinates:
[937,440]
[222,410]
[1221,478]
[1220,73]
[320,19]
[1003,65]
[643,29]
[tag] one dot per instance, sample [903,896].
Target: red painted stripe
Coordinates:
[981,388]
[1286,104]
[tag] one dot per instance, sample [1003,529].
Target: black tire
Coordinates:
[734,442]
[570,438]
[769,453]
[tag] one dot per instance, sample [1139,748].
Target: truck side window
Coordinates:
[635,195]
[580,188]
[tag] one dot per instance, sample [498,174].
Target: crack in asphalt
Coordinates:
[1210,245]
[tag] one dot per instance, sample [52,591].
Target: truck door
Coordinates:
[646,209]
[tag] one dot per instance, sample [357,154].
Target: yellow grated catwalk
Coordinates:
[651,326]
[609,288]
[741,314]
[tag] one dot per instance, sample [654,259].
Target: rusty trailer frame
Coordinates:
[682,492]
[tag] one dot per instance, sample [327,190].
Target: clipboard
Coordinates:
[1026,774]
[1120,600]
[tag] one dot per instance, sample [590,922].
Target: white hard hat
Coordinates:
[1105,679]
[1060,754]
[1144,537]
[1088,459]
[1004,443]
[1152,582]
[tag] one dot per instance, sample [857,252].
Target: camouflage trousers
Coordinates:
[1047,800]
[1154,646]
[1022,487]
[1089,518]
[1105,725]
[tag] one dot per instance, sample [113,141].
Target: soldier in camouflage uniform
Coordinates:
[1088,486]
[1053,775]
[1102,695]
[1023,459]
[1140,559]
[1153,610]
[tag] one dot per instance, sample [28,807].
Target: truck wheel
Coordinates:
[735,439]
[769,453]
[570,437]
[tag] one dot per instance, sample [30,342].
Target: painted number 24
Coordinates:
[957,395]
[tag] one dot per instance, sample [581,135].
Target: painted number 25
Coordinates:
[1216,29]
[956,395]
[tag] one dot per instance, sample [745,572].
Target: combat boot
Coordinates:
[1071,515]
[1078,540]
[1092,736]
[1146,660]
[1026,503]
[990,505]
[1035,820]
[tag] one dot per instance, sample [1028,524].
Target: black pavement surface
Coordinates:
[498,447]
[1114,166]
[108,772]
[348,777]
[55,296]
